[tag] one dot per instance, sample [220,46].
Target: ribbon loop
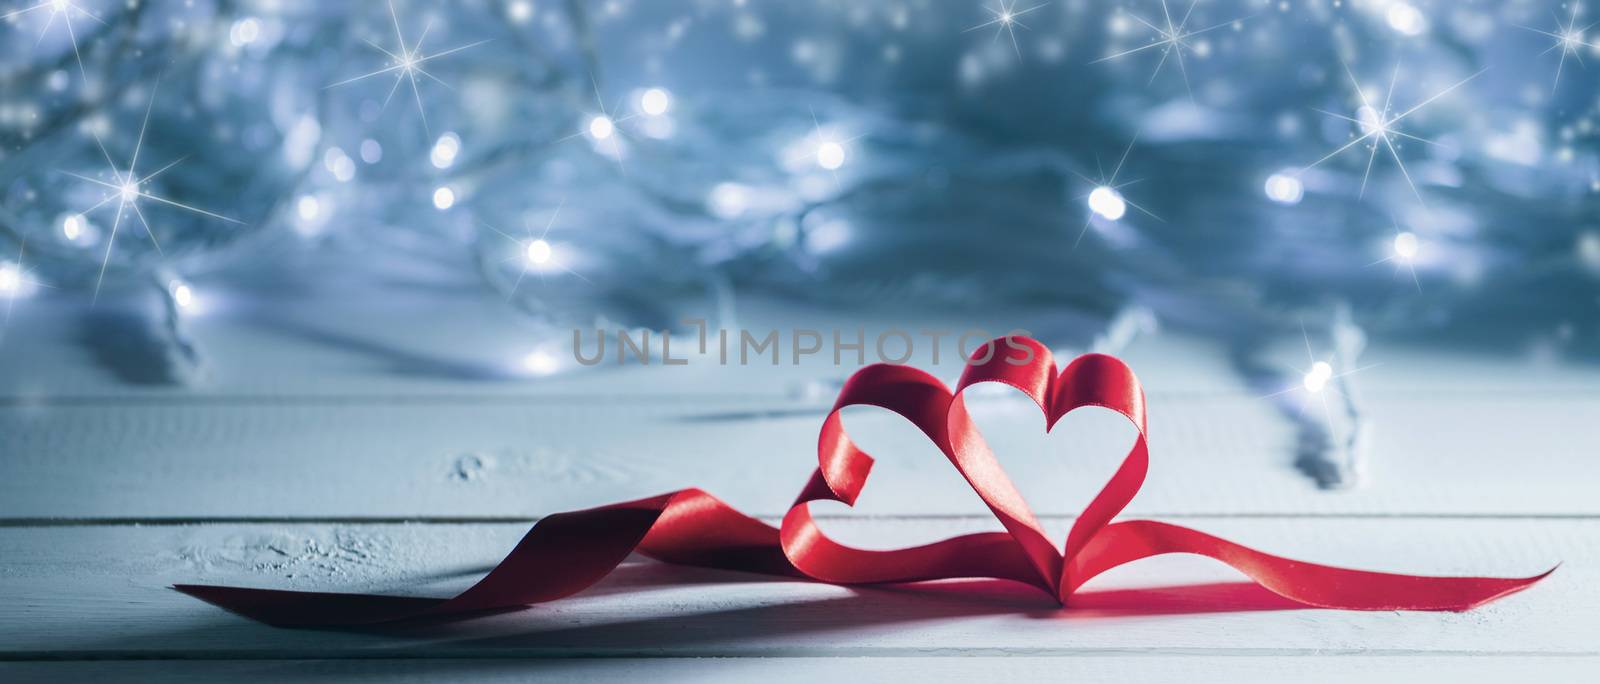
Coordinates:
[567,552]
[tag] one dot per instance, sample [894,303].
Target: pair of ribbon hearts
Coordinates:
[567,552]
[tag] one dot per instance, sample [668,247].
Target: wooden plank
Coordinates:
[102,592]
[1197,669]
[529,456]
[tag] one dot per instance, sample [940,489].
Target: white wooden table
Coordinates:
[350,440]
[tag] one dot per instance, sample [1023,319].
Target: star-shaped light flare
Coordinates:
[127,189]
[1106,199]
[603,128]
[1172,38]
[1568,39]
[406,64]
[535,251]
[1005,21]
[64,9]
[1403,251]
[1320,378]
[828,151]
[16,280]
[1380,127]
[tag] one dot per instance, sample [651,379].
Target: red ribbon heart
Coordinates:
[567,552]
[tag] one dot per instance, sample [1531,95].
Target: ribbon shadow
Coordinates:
[684,629]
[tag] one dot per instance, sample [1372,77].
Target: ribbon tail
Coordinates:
[1314,585]
[983,554]
[562,555]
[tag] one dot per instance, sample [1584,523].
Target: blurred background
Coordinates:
[1248,173]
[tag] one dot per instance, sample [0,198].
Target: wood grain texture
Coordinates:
[331,402]
[103,592]
[337,404]
[1196,669]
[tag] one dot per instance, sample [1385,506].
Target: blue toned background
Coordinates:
[969,140]
[288,291]
[1245,172]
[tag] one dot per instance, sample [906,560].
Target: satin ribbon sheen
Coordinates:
[567,552]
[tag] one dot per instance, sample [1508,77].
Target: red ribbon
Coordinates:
[567,552]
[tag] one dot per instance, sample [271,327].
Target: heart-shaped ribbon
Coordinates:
[567,552]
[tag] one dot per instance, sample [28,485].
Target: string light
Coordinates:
[1284,188]
[244,32]
[1317,378]
[128,188]
[182,294]
[339,164]
[14,284]
[1406,19]
[1318,381]
[828,152]
[655,102]
[1106,199]
[444,151]
[535,252]
[1406,246]
[539,252]
[1006,21]
[1381,128]
[1319,375]
[1568,39]
[10,277]
[520,11]
[601,127]
[311,213]
[540,363]
[10,287]
[444,198]
[1172,37]
[830,155]
[1404,250]
[1107,202]
[406,63]
[72,227]
[63,9]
